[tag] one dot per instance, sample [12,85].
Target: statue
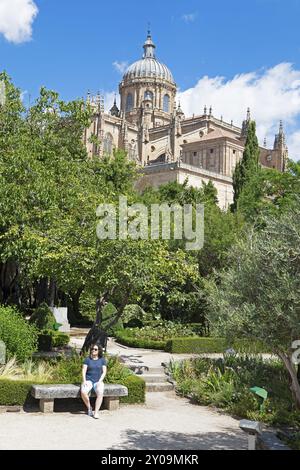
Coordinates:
[178,127]
[98,333]
[146,134]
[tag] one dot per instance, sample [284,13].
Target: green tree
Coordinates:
[249,164]
[269,192]
[258,296]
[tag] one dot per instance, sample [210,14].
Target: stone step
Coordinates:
[154,378]
[136,368]
[155,370]
[159,387]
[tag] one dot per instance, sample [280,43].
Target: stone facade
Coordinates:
[166,144]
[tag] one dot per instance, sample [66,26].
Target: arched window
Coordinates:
[148,95]
[108,144]
[129,102]
[166,105]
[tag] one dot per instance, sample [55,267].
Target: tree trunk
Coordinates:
[295,386]
[51,292]
[8,277]
[75,303]
[41,291]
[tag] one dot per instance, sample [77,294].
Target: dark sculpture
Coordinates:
[97,335]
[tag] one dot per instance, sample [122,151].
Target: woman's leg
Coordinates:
[85,389]
[99,389]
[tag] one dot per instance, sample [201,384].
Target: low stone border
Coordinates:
[268,440]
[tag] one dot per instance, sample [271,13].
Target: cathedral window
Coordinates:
[166,105]
[108,144]
[129,103]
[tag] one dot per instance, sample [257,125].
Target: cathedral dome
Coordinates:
[149,66]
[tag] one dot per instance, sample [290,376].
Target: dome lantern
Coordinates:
[149,48]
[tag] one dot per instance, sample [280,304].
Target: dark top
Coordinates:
[94,368]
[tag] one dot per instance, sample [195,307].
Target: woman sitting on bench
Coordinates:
[93,372]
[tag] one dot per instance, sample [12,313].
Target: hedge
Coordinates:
[196,345]
[191,345]
[14,392]
[17,392]
[136,390]
[123,338]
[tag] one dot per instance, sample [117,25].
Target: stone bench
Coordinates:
[46,394]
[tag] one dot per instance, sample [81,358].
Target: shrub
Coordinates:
[116,371]
[68,370]
[59,339]
[135,316]
[117,327]
[108,312]
[49,339]
[134,323]
[43,318]
[226,383]
[45,342]
[20,338]
[197,328]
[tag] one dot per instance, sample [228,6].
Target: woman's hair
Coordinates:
[100,350]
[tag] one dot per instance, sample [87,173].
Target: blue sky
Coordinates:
[249,52]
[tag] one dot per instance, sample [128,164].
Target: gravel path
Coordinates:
[165,422]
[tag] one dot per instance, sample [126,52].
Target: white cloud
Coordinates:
[189,17]
[294,145]
[272,94]
[109,98]
[121,67]
[16,18]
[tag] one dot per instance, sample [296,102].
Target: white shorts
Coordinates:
[98,387]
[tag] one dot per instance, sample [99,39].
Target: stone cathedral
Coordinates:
[168,145]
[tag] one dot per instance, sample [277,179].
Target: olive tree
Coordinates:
[258,297]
